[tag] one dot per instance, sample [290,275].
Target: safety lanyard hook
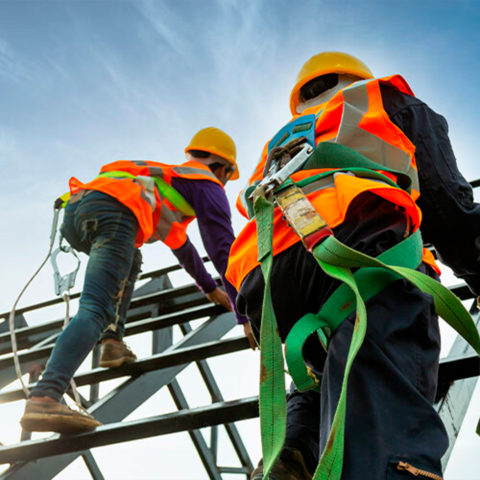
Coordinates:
[292,159]
[63,283]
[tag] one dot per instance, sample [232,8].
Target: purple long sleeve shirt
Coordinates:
[212,210]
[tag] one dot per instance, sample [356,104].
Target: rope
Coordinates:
[11,318]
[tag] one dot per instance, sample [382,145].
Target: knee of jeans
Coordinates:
[100,314]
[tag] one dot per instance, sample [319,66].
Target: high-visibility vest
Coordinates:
[158,218]
[355,118]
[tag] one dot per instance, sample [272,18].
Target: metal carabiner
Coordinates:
[277,176]
[63,283]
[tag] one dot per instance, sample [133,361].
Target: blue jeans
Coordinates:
[100,226]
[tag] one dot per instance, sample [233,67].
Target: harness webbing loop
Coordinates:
[335,155]
[336,260]
[341,303]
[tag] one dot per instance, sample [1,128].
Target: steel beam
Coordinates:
[92,466]
[123,400]
[37,356]
[216,396]
[55,301]
[162,360]
[457,367]
[454,404]
[33,335]
[193,419]
[238,470]
[140,309]
[206,455]
[461,291]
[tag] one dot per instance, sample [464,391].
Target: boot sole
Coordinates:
[41,422]
[118,362]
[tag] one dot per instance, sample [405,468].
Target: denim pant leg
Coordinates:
[106,230]
[116,330]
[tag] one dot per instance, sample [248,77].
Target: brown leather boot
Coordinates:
[115,354]
[55,417]
[289,466]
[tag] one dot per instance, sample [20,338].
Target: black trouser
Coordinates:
[303,425]
[390,414]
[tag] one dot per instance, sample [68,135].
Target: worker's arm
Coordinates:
[451,218]
[191,261]
[212,210]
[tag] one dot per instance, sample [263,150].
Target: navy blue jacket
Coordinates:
[451,219]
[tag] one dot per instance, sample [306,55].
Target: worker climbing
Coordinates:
[334,239]
[109,218]
[446,199]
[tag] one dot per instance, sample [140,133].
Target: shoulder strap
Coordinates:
[166,190]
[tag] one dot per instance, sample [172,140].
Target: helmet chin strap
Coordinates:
[343,82]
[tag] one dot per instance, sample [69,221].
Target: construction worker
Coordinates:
[109,218]
[391,427]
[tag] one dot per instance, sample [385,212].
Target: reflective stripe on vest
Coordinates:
[356,106]
[354,117]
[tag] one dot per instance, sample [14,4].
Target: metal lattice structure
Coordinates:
[156,308]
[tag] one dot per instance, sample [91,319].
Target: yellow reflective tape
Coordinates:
[65,198]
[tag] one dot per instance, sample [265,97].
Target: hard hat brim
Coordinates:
[213,151]
[295,95]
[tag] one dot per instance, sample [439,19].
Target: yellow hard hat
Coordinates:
[322,64]
[213,140]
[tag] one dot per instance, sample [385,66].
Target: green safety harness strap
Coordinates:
[335,155]
[273,403]
[166,190]
[341,304]
[339,158]
[336,259]
[374,274]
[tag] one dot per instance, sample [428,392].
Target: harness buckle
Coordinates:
[281,163]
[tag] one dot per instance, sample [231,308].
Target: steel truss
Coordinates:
[156,308]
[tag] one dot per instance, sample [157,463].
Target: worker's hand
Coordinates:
[219,297]
[478,302]
[249,334]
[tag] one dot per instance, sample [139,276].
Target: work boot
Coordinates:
[55,417]
[115,354]
[289,466]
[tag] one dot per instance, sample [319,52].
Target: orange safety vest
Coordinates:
[355,118]
[158,218]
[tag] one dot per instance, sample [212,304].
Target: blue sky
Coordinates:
[84,83]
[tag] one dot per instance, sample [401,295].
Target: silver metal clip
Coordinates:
[276,177]
[63,283]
